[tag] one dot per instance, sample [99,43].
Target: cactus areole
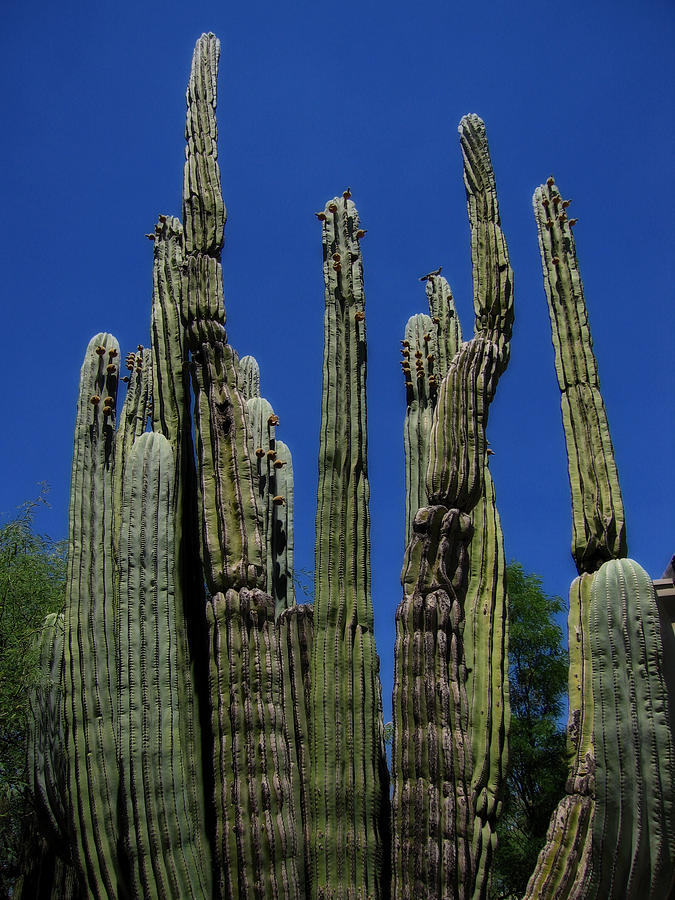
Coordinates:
[198,734]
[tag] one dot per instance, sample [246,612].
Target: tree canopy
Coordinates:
[32,583]
[538,666]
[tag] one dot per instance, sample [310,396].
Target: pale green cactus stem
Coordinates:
[349,840]
[429,344]
[132,422]
[171,416]
[445,321]
[599,531]
[295,626]
[618,728]
[274,469]
[47,765]
[439,852]
[90,672]
[419,351]
[164,843]
[232,549]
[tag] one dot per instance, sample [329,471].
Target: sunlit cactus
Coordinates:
[613,834]
[197,733]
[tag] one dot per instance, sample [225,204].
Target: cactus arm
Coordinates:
[132,422]
[90,680]
[492,273]
[204,212]
[281,545]
[231,541]
[164,841]
[170,381]
[445,321]
[274,471]
[564,862]
[349,795]
[420,381]
[597,507]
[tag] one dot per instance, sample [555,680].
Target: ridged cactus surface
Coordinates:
[90,679]
[445,856]
[349,787]
[231,527]
[612,835]
[419,351]
[274,482]
[163,843]
[634,822]
[197,734]
[597,507]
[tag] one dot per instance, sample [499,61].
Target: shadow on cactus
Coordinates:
[217,739]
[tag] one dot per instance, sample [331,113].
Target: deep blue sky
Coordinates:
[314,97]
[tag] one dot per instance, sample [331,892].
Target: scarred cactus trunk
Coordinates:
[435,851]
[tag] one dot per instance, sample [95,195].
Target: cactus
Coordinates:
[439,848]
[274,470]
[197,733]
[349,788]
[605,839]
[90,682]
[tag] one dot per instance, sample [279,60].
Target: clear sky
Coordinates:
[315,97]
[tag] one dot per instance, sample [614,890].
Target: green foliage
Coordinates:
[538,666]
[32,578]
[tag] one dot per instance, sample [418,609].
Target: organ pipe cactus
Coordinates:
[197,733]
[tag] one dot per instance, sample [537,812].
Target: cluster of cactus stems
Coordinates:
[196,733]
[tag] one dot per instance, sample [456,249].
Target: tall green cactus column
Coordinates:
[90,670]
[171,417]
[165,842]
[439,846]
[613,834]
[257,826]
[349,790]
[419,351]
